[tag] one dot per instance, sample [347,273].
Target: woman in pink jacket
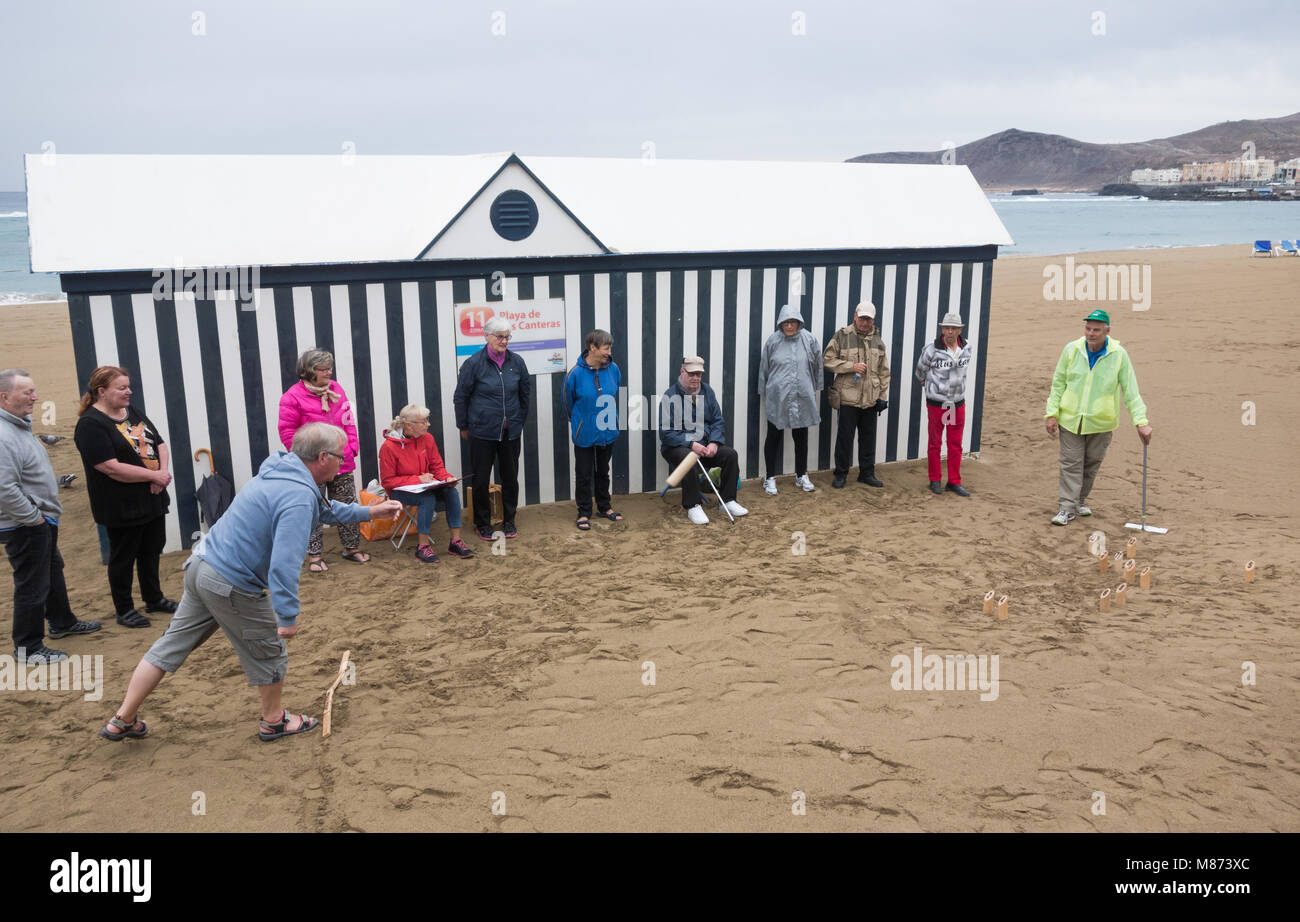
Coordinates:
[317,399]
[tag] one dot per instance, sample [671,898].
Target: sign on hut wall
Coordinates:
[539,333]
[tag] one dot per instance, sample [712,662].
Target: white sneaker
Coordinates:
[696,515]
[769,486]
[1084,510]
[1063,517]
[804,484]
[736,509]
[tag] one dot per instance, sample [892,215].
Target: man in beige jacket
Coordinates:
[856,356]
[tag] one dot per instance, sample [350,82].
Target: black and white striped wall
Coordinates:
[210,373]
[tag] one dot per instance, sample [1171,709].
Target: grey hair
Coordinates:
[310,440]
[496,325]
[312,359]
[410,411]
[7,378]
[598,338]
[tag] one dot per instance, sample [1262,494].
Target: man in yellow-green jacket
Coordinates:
[1084,408]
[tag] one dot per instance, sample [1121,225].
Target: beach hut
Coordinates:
[206,276]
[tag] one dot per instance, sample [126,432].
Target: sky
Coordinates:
[710,79]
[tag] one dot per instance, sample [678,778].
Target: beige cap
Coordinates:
[951,319]
[693,363]
[866,309]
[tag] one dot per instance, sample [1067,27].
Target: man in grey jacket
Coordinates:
[29,528]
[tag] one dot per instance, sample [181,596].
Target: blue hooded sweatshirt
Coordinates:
[261,540]
[591,401]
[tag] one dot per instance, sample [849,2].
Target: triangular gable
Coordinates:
[512,203]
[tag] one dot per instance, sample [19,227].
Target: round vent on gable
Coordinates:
[514,214]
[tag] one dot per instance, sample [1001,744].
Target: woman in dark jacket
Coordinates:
[591,401]
[126,476]
[491,403]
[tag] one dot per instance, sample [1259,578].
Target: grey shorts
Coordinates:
[210,602]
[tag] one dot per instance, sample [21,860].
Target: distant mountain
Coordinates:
[1015,159]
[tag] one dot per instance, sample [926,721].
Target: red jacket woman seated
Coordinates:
[409,457]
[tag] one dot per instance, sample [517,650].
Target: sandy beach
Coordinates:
[525,674]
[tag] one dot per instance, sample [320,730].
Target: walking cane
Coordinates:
[683,469]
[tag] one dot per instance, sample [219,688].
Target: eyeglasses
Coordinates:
[695,374]
[501,336]
[336,454]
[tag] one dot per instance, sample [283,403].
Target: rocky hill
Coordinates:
[1015,159]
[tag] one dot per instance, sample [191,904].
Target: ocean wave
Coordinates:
[29,297]
[13,214]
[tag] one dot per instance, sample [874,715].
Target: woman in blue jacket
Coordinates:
[591,401]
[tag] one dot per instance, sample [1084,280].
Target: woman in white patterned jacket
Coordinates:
[942,371]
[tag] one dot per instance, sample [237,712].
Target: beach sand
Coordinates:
[523,674]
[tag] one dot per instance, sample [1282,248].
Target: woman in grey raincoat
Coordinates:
[789,377]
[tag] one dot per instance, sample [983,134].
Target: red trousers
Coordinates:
[956,420]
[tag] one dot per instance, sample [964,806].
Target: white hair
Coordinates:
[496,325]
[7,378]
[412,411]
[312,439]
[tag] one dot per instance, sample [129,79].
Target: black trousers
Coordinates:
[775,443]
[726,458]
[592,463]
[862,423]
[40,593]
[483,454]
[136,547]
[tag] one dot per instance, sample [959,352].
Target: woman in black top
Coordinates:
[126,477]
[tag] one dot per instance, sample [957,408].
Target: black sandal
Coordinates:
[274,730]
[611,515]
[583,522]
[133,619]
[128,729]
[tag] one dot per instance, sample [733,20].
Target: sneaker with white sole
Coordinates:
[736,509]
[769,486]
[1084,510]
[803,483]
[1063,517]
[696,515]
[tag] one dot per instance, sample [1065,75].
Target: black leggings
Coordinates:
[774,445]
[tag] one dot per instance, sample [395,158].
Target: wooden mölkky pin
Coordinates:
[1144,578]
[1250,571]
[1103,563]
[1002,609]
[1130,568]
[1121,594]
[988,602]
[329,695]
[1104,602]
[1130,547]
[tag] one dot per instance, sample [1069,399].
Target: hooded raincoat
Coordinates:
[790,375]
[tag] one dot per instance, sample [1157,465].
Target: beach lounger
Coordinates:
[1288,246]
[1263,247]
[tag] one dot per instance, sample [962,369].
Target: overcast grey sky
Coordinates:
[722,79]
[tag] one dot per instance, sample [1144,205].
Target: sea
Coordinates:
[1039,224]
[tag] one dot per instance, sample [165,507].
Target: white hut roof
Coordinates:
[123,212]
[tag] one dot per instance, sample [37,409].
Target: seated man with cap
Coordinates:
[690,420]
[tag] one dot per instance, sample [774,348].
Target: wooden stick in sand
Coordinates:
[329,695]
[988,602]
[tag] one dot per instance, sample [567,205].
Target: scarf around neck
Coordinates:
[322,391]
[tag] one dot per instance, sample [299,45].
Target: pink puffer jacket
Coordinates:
[299,406]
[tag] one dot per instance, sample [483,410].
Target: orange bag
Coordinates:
[376,531]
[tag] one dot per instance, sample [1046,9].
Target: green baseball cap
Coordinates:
[1099,315]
